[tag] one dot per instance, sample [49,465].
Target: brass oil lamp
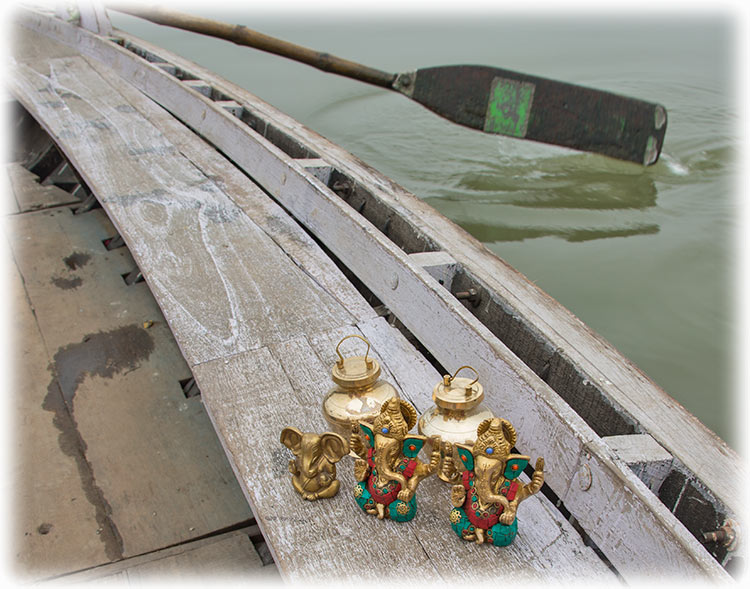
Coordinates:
[359,392]
[457,414]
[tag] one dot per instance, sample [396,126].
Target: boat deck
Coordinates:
[117,459]
[255,306]
[260,346]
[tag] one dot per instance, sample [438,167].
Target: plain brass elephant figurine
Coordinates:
[313,466]
[486,500]
[387,467]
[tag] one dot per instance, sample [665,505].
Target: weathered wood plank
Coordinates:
[226,557]
[94,17]
[177,222]
[268,215]
[29,194]
[157,472]
[30,47]
[319,167]
[9,203]
[646,458]
[440,265]
[251,397]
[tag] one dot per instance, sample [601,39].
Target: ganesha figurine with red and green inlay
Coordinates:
[486,500]
[387,467]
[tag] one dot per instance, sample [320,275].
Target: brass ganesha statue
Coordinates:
[486,500]
[313,467]
[387,467]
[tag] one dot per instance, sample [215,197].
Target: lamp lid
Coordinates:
[355,371]
[457,392]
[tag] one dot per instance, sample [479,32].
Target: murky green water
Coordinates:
[645,256]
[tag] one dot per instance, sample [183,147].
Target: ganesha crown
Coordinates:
[392,420]
[495,437]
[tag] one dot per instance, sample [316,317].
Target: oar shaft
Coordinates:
[241,35]
[480,97]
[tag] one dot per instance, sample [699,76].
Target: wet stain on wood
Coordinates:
[104,354]
[73,445]
[67,283]
[76,260]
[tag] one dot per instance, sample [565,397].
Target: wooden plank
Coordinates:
[440,265]
[268,216]
[230,106]
[547,426]
[252,396]
[158,475]
[62,260]
[225,557]
[55,527]
[199,86]
[646,458]
[184,232]
[29,194]
[30,47]
[319,167]
[94,17]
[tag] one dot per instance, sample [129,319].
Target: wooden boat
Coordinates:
[264,244]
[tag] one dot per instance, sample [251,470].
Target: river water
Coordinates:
[645,256]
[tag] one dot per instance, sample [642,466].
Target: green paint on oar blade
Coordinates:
[509,107]
[529,107]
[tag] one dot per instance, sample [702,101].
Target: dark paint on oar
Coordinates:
[489,99]
[509,103]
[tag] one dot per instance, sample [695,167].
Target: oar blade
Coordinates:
[500,101]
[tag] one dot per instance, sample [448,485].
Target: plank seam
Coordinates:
[231,198]
[278,242]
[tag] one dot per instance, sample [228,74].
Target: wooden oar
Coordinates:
[490,99]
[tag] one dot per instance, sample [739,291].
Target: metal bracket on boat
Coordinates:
[727,535]
[343,188]
[471,295]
